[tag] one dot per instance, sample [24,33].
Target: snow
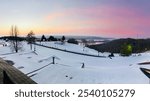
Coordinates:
[70,47]
[68,67]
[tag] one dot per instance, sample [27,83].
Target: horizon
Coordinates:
[78,36]
[102,18]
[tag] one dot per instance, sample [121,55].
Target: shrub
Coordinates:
[73,41]
[126,50]
[52,38]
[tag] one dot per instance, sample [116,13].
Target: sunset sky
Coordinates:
[104,18]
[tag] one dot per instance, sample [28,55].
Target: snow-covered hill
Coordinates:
[74,68]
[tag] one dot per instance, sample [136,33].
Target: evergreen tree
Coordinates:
[63,38]
[43,38]
[51,38]
[126,50]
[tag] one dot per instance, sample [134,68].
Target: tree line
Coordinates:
[16,41]
[52,38]
[124,46]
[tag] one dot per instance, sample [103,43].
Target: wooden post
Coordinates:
[53,60]
[34,48]
[83,65]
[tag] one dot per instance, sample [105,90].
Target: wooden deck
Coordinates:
[14,74]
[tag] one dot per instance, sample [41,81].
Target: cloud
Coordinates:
[101,19]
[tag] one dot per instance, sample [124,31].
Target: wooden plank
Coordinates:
[14,74]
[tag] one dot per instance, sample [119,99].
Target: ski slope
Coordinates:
[68,67]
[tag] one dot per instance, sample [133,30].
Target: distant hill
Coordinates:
[139,45]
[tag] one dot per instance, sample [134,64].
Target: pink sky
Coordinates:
[104,18]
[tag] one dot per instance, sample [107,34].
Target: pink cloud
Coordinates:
[102,19]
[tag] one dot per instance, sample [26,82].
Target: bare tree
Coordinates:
[15,44]
[31,39]
[84,41]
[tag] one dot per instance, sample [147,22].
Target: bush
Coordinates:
[73,41]
[126,50]
[52,38]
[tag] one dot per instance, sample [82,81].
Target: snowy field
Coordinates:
[69,69]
